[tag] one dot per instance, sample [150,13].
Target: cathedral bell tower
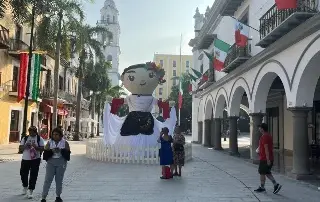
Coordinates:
[111,49]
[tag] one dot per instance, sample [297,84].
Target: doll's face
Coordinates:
[140,81]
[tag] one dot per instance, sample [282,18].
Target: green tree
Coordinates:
[97,80]
[52,30]
[101,99]
[87,47]
[186,110]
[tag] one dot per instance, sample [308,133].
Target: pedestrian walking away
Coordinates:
[265,151]
[31,148]
[56,153]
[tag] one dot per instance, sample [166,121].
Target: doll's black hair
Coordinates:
[159,72]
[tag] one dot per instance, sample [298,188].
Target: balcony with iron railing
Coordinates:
[16,46]
[236,57]
[276,23]
[4,37]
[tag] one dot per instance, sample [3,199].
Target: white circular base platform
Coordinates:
[97,150]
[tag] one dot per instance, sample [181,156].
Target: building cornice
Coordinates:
[299,33]
[213,20]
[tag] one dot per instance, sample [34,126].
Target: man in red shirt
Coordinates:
[265,151]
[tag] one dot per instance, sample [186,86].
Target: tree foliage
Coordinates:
[186,110]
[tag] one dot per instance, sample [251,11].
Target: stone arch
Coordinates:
[200,110]
[306,75]
[220,103]
[109,58]
[208,109]
[263,81]
[239,87]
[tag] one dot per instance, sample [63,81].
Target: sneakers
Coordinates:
[260,189]
[277,188]
[30,194]
[24,191]
[58,199]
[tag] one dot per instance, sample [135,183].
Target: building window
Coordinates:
[15,78]
[174,72]
[160,91]
[161,63]
[201,69]
[108,18]
[174,63]
[18,33]
[60,83]
[187,64]
[174,82]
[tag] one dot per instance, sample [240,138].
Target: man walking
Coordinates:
[265,151]
[31,148]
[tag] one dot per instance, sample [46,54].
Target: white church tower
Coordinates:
[111,49]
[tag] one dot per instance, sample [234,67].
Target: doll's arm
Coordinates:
[165,108]
[116,103]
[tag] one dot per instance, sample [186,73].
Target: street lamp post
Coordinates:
[26,100]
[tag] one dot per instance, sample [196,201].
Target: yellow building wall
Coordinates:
[7,103]
[168,61]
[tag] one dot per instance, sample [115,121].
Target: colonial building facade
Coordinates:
[274,78]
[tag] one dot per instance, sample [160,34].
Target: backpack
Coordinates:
[38,141]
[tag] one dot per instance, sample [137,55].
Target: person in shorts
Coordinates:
[265,151]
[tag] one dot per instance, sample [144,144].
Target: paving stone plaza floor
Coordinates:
[211,176]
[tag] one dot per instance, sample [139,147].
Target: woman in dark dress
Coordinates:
[178,151]
[166,154]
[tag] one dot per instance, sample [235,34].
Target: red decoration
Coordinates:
[286,4]
[165,109]
[116,104]
[22,82]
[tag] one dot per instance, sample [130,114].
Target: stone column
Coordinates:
[200,130]
[301,165]
[255,121]
[233,136]
[212,135]
[207,127]
[217,134]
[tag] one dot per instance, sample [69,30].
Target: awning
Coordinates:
[49,109]
[62,112]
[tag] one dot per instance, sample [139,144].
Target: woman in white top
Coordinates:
[56,153]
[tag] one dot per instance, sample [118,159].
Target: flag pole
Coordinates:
[180,78]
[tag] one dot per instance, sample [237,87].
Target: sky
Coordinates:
[151,26]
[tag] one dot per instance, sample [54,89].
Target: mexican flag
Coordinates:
[286,4]
[180,95]
[34,76]
[221,49]
[241,34]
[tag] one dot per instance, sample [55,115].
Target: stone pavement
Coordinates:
[211,176]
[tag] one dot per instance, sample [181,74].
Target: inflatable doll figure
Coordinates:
[139,127]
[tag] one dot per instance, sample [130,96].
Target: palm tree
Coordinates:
[97,80]
[55,30]
[115,91]
[88,47]
[52,29]
[3,8]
